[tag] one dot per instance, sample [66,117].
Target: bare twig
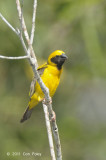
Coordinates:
[54,129]
[16,31]
[33,21]
[14,58]
[22,22]
[9,25]
[55,132]
[23,43]
[57,140]
[49,132]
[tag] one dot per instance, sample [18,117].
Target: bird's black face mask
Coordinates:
[59,60]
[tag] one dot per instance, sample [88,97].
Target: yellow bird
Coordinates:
[50,74]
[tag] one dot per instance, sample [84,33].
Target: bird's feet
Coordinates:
[53,115]
[49,102]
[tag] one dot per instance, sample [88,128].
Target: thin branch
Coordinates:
[57,140]
[23,44]
[17,32]
[13,58]
[22,22]
[9,25]
[33,21]
[55,131]
[49,132]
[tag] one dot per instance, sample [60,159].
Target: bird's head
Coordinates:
[57,58]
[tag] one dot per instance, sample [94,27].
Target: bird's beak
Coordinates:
[64,56]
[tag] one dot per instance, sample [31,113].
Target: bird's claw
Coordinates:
[49,102]
[53,116]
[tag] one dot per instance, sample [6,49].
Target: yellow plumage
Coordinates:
[50,74]
[51,78]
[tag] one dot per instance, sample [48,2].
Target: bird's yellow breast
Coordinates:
[51,78]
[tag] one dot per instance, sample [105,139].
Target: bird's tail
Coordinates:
[27,114]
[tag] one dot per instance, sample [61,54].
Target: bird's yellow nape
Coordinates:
[54,54]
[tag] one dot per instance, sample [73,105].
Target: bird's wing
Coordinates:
[33,83]
[32,87]
[41,69]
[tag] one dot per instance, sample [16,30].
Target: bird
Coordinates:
[50,73]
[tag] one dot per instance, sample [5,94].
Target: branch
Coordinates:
[9,25]
[49,132]
[17,32]
[33,21]
[22,22]
[22,42]
[14,58]
[57,140]
[55,131]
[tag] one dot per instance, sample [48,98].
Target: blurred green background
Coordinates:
[77,27]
